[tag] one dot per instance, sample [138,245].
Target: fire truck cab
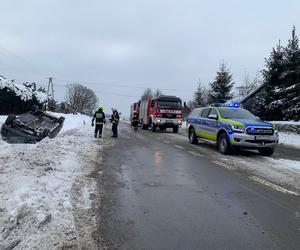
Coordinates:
[161,112]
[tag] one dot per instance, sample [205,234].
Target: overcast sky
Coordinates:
[157,43]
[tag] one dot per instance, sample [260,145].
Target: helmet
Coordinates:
[101,107]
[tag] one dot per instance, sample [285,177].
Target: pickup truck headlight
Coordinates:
[179,121]
[238,128]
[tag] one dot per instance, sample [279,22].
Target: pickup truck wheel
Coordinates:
[223,144]
[153,127]
[9,120]
[192,136]
[266,151]
[144,126]
[175,129]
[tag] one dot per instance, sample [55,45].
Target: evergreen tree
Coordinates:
[201,97]
[273,84]
[222,85]
[291,78]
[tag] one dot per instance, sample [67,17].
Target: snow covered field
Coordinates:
[41,186]
[291,139]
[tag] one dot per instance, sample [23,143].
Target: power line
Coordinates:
[123,85]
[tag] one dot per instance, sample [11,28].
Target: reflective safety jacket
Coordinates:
[99,116]
[115,117]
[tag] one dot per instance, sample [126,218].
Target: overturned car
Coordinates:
[31,127]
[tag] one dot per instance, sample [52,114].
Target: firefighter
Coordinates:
[115,122]
[135,120]
[99,116]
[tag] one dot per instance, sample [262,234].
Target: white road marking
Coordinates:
[166,141]
[272,185]
[178,146]
[224,165]
[195,154]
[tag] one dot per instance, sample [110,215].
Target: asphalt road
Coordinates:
[158,195]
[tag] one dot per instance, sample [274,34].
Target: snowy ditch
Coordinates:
[46,189]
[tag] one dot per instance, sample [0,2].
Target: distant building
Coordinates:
[248,102]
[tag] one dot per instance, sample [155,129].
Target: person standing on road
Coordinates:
[115,122]
[99,116]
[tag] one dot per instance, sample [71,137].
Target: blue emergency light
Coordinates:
[234,105]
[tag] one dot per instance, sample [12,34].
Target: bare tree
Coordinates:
[157,93]
[147,93]
[80,98]
[249,84]
[201,96]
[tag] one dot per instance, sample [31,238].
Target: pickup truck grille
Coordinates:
[259,131]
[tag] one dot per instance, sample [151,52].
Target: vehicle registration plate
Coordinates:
[262,138]
[169,121]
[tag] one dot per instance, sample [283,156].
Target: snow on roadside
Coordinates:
[291,139]
[44,184]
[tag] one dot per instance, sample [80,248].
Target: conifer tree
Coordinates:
[273,84]
[222,85]
[291,78]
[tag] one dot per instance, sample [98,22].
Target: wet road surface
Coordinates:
[158,196]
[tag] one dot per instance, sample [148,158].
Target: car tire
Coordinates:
[34,109]
[223,144]
[61,120]
[9,120]
[45,133]
[175,129]
[266,151]
[192,136]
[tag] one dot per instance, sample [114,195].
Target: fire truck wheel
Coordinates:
[175,129]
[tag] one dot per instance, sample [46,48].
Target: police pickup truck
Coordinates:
[231,127]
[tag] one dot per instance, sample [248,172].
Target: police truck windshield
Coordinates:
[169,104]
[236,113]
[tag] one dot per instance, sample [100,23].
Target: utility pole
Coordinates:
[50,95]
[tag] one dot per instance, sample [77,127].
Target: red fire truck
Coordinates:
[134,108]
[161,112]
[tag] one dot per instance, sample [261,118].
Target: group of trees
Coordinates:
[282,82]
[280,99]
[219,90]
[149,93]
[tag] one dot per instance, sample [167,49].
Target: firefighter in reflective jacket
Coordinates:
[115,121]
[99,116]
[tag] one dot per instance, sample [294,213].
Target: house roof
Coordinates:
[244,99]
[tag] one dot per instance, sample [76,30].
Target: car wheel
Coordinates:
[34,108]
[266,151]
[223,144]
[45,133]
[61,120]
[175,129]
[153,127]
[9,120]
[192,136]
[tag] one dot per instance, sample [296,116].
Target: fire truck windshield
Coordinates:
[169,104]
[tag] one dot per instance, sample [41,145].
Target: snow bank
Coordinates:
[25,93]
[292,139]
[42,186]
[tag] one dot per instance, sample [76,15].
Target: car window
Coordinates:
[214,112]
[236,113]
[205,112]
[195,112]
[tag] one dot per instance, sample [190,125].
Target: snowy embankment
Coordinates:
[47,188]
